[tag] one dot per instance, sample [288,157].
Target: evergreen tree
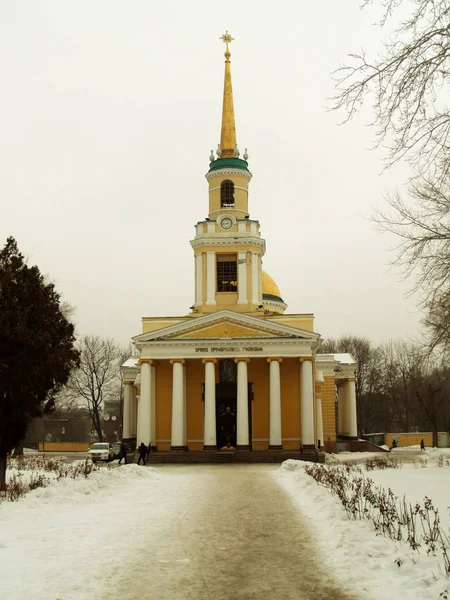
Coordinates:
[37,351]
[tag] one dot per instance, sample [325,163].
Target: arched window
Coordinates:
[227,193]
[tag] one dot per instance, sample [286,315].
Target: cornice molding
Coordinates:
[228,171]
[282,331]
[282,305]
[226,241]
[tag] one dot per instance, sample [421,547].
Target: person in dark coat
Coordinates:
[142,453]
[422,445]
[123,452]
[228,426]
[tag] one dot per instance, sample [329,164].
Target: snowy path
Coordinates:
[195,532]
[230,533]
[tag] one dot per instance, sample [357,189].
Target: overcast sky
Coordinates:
[109,110]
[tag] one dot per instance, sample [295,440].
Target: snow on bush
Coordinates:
[418,525]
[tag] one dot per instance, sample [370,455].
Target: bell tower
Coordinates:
[228,247]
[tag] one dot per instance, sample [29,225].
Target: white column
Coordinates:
[260,292]
[242,278]
[343,409]
[153,408]
[255,277]
[145,408]
[178,440]
[275,404]
[133,411]
[210,278]
[351,401]
[127,409]
[319,419]
[199,278]
[307,403]
[185,405]
[138,418]
[242,437]
[209,430]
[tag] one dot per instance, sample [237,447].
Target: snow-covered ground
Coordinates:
[138,533]
[373,565]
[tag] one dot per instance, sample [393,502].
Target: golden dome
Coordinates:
[269,286]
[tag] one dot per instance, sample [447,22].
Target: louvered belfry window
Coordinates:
[227,193]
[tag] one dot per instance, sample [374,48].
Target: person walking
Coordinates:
[422,445]
[123,452]
[142,453]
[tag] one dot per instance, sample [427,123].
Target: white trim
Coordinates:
[227,315]
[212,348]
[242,227]
[307,403]
[228,171]
[236,187]
[199,278]
[255,277]
[274,303]
[229,241]
[242,277]
[210,278]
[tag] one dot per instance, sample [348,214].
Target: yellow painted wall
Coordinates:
[258,374]
[229,249]
[163,404]
[224,330]
[154,323]
[409,439]
[195,377]
[290,402]
[64,446]
[240,195]
[305,322]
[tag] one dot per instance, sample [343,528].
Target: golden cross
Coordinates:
[226,37]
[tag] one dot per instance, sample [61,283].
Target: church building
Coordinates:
[237,377]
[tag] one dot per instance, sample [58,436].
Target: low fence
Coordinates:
[64,446]
[414,439]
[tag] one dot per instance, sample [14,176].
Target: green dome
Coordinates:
[228,163]
[271,297]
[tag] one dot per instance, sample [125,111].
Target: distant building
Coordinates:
[237,349]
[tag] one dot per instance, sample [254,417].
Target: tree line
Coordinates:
[400,386]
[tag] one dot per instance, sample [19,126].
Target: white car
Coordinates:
[101,451]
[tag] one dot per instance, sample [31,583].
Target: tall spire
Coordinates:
[228,133]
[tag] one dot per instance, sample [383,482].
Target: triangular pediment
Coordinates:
[225,324]
[225,329]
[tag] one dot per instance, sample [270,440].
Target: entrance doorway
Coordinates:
[226,397]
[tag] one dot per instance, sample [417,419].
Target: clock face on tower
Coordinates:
[226,223]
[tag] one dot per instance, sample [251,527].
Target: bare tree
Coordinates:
[124,355]
[400,363]
[423,225]
[98,378]
[365,355]
[431,388]
[407,84]
[437,322]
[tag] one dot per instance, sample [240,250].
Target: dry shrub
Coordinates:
[16,488]
[390,517]
[372,464]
